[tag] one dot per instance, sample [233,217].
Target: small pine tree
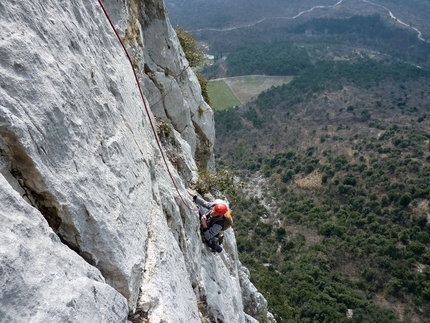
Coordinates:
[195,56]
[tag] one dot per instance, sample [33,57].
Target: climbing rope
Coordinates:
[146,107]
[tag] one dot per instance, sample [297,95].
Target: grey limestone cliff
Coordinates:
[93,229]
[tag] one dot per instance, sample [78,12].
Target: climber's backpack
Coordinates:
[227,219]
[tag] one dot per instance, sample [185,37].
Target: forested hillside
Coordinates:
[334,214]
[332,191]
[288,50]
[201,16]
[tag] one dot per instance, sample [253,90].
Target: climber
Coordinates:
[212,221]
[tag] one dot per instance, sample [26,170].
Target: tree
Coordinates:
[288,174]
[280,233]
[350,180]
[193,53]
[405,199]
[203,84]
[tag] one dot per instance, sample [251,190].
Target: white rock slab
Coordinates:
[76,130]
[42,280]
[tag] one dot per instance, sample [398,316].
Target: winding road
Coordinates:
[420,37]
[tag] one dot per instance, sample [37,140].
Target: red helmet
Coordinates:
[220,208]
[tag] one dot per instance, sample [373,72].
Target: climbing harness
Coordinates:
[146,107]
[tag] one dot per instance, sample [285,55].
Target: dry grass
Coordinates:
[422,207]
[397,307]
[312,237]
[313,180]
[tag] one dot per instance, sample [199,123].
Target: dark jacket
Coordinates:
[215,224]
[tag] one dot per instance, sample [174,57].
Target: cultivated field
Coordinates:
[221,95]
[232,91]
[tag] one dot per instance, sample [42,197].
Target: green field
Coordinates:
[221,95]
[232,91]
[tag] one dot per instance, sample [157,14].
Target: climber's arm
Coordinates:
[203,202]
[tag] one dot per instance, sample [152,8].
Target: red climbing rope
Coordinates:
[146,107]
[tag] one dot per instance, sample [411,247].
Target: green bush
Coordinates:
[195,56]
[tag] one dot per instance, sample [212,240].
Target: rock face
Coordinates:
[93,227]
[65,289]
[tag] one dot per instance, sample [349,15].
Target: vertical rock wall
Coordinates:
[93,227]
